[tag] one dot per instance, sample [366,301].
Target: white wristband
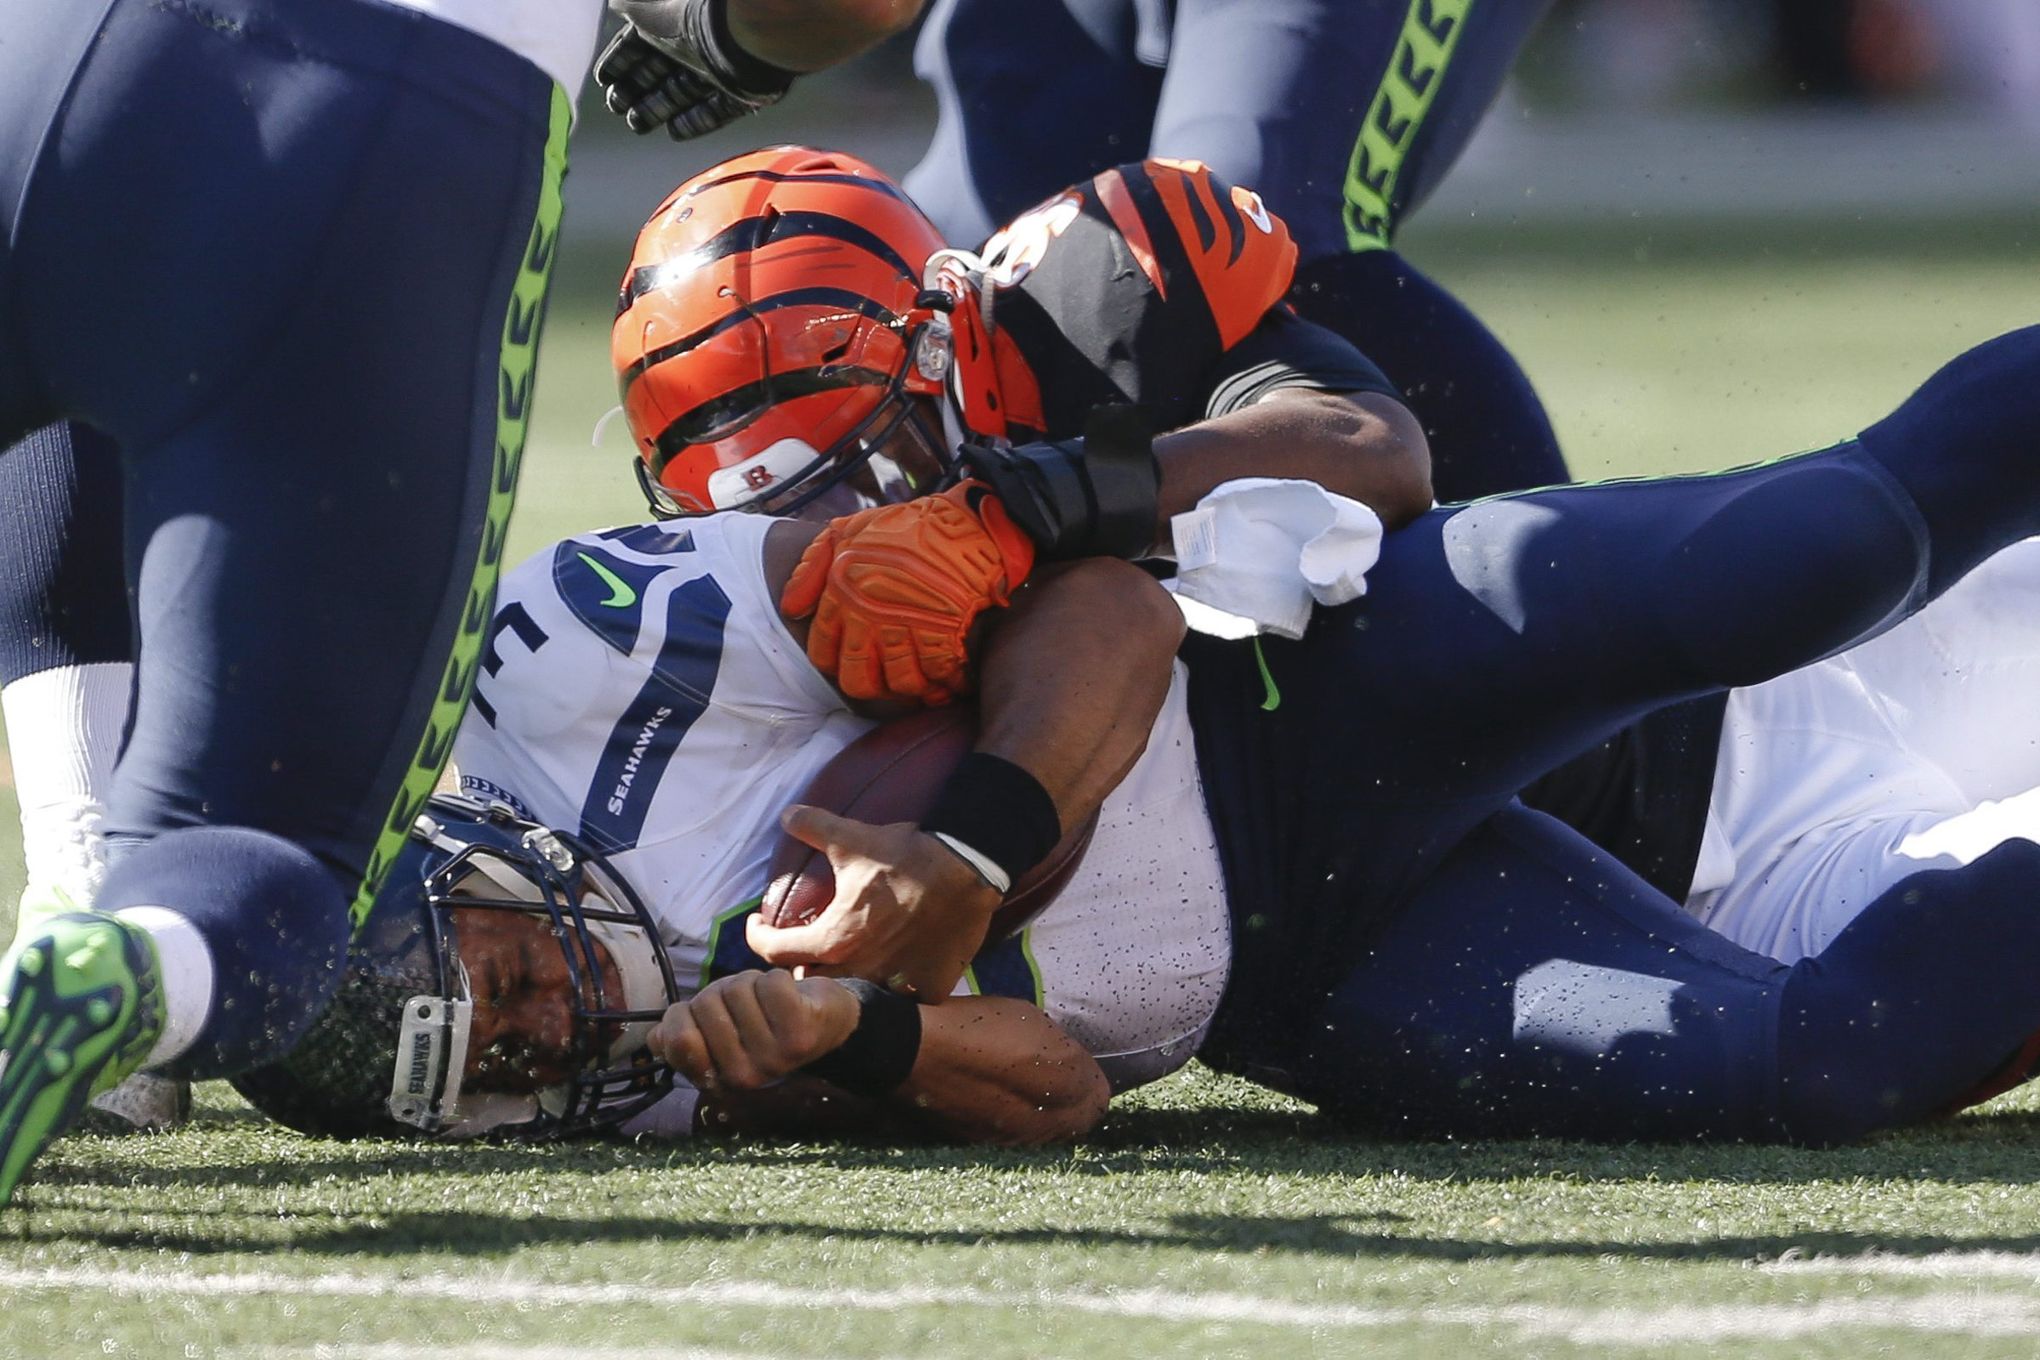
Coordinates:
[991,873]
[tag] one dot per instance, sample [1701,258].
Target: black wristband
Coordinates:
[999,810]
[881,1051]
[1089,497]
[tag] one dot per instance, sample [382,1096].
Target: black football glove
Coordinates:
[674,65]
[1090,497]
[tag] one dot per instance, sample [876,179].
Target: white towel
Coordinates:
[1256,552]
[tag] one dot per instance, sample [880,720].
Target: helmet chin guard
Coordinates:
[390,1057]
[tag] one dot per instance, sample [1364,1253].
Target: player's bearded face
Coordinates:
[523,1038]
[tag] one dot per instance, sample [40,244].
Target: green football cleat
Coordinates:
[84,1006]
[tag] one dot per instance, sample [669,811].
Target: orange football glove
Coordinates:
[895,589]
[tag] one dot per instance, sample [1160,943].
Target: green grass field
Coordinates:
[1206,1218]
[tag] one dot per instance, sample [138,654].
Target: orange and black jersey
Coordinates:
[1155,284]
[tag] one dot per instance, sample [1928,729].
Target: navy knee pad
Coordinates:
[1966,446]
[276,923]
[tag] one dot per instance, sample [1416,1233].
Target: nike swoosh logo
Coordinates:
[621,596]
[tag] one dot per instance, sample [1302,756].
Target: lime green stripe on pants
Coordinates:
[518,367]
[1416,71]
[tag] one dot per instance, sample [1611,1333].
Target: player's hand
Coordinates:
[752,1029]
[908,912]
[895,590]
[670,67]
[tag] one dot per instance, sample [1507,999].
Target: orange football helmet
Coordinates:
[772,336]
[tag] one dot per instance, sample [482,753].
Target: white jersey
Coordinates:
[556,36]
[1919,749]
[639,689]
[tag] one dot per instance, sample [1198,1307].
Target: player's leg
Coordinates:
[1498,639]
[1732,579]
[1488,429]
[66,667]
[1343,117]
[318,490]
[1535,988]
[1029,103]
[65,652]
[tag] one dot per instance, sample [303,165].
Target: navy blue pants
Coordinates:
[63,592]
[1342,114]
[269,249]
[1369,833]
[291,257]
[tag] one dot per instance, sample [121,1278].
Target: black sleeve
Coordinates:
[1287,351]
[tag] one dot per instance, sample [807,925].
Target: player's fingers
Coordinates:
[825,831]
[785,946]
[757,1058]
[656,106]
[1016,550]
[901,662]
[825,637]
[858,670]
[677,1042]
[946,672]
[706,116]
[727,1053]
[804,587]
[617,56]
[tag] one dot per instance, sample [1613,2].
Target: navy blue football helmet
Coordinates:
[390,1056]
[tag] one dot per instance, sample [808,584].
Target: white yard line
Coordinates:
[407,1350]
[1941,1265]
[1960,1314]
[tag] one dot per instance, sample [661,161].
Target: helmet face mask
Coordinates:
[773,337]
[896,452]
[400,1052]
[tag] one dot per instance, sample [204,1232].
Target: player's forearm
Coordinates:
[1073,676]
[1368,447]
[993,1070]
[810,35]
[988,1070]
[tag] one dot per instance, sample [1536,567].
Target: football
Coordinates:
[892,774]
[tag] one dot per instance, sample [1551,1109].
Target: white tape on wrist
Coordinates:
[991,873]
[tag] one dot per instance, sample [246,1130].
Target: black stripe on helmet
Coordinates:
[1207,231]
[752,232]
[1171,251]
[841,298]
[1235,221]
[696,425]
[892,191]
